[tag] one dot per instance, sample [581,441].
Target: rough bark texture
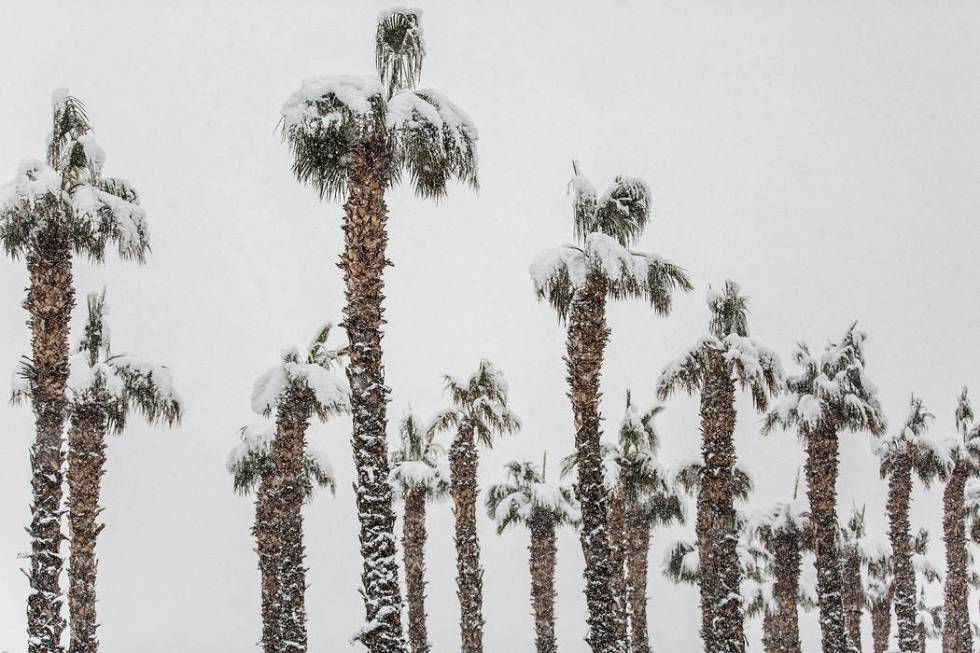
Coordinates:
[469,575]
[821,476]
[853,597]
[770,634]
[587,336]
[616,523]
[269,562]
[785,627]
[286,496]
[413,544]
[899,532]
[50,299]
[881,623]
[363,263]
[957,637]
[637,551]
[543,551]
[721,604]
[86,464]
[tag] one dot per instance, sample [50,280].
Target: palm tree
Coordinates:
[831,394]
[418,476]
[354,137]
[102,389]
[251,465]
[965,454]
[879,592]
[51,211]
[928,616]
[907,452]
[712,368]
[577,281]
[478,412]
[858,555]
[302,385]
[526,499]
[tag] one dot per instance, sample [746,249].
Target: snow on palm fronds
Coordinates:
[622,212]
[419,462]
[964,450]
[423,133]
[686,475]
[525,494]
[833,387]
[114,383]
[929,458]
[251,460]
[758,597]
[69,192]
[757,368]
[682,565]
[783,519]
[311,370]
[478,403]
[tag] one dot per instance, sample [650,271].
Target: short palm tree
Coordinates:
[830,394]
[355,137]
[52,210]
[478,413]
[929,617]
[908,452]
[103,388]
[965,454]
[251,465]
[759,596]
[857,553]
[577,280]
[712,368]
[302,385]
[419,476]
[526,499]
[879,591]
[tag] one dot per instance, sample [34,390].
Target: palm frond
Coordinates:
[95,333]
[729,311]
[622,212]
[399,49]
[69,122]
[686,372]
[556,274]
[929,458]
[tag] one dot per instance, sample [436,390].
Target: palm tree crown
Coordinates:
[682,563]
[525,494]
[420,463]
[605,228]
[478,403]
[964,450]
[251,460]
[69,191]
[928,457]
[425,135]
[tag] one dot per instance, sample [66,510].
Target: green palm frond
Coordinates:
[681,564]
[399,49]
[478,403]
[655,280]
[687,476]
[418,462]
[729,311]
[525,496]
[622,212]
[95,333]
[69,122]
[929,458]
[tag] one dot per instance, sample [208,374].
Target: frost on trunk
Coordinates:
[957,635]
[413,543]
[463,462]
[899,492]
[542,564]
[881,622]
[616,523]
[786,590]
[268,552]
[637,552]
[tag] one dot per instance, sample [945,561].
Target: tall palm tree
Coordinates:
[831,393]
[419,476]
[577,280]
[526,499]
[354,137]
[906,453]
[302,385]
[251,465]
[712,368]
[478,413]
[52,210]
[102,389]
[965,454]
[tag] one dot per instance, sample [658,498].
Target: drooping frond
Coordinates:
[928,457]
[149,388]
[419,462]
[525,496]
[399,48]
[557,274]
[251,460]
[682,564]
[686,372]
[622,212]
[319,353]
[478,403]
[687,476]
[637,430]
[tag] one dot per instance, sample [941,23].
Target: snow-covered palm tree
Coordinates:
[830,394]
[478,413]
[302,385]
[102,390]
[419,476]
[965,454]
[929,614]
[907,453]
[354,137]
[251,465]
[52,210]
[712,368]
[759,596]
[879,590]
[857,553]
[526,499]
[578,280]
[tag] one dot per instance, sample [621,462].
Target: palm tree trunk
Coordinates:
[957,637]
[786,591]
[899,492]
[543,550]
[288,493]
[413,543]
[587,336]
[363,262]
[717,540]
[853,597]
[638,548]
[616,523]
[920,629]
[881,623]
[821,476]
[469,579]
[50,299]
[269,563]
[86,464]
[770,633]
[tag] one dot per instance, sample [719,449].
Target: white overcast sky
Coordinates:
[825,155]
